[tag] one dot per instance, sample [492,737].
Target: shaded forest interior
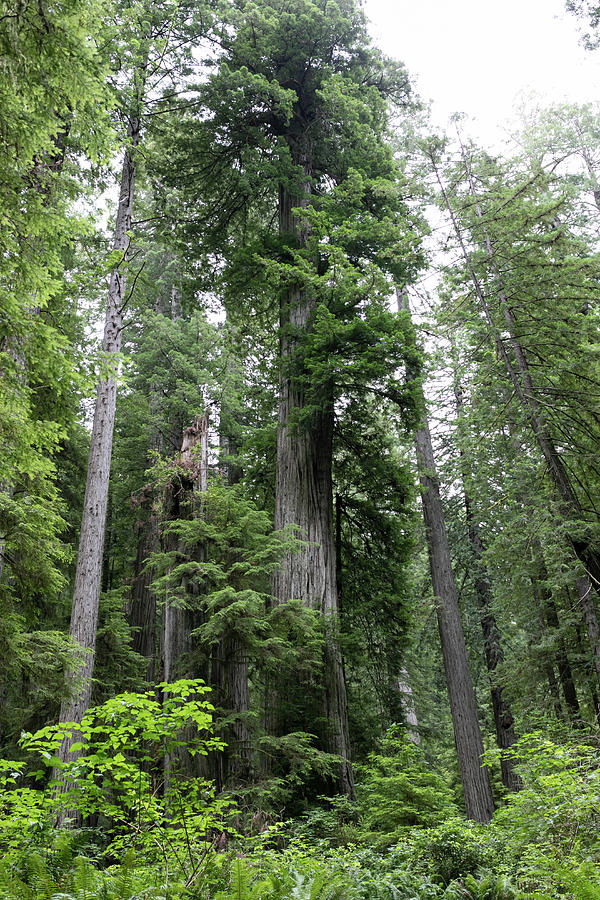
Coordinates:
[299,486]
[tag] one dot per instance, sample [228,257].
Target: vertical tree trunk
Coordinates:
[477,790]
[407,702]
[563,665]
[526,394]
[181,497]
[304,497]
[142,615]
[143,608]
[86,595]
[479,802]
[236,687]
[494,655]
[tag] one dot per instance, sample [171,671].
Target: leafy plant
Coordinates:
[399,790]
[452,850]
[490,887]
[550,829]
[127,771]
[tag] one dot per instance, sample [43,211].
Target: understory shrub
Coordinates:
[550,831]
[397,790]
[129,779]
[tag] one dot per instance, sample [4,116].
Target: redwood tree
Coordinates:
[290,147]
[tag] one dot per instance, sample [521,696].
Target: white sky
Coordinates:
[476,56]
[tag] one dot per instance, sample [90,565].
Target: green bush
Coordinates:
[119,777]
[551,829]
[452,850]
[398,790]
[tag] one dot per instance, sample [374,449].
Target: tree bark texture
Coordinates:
[304,497]
[180,498]
[479,802]
[143,607]
[236,686]
[494,655]
[86,595]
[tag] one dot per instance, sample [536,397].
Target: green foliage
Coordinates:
[126,771]
[220,570]
[38,878]
[453,849]
[551,828]
[319,873]
[53,105]
[489,887]
[398,790]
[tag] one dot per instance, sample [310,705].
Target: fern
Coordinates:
[39,878]
[85,880]
[12,888]
[239,888]
[490,887]
[584,883]
[125,881]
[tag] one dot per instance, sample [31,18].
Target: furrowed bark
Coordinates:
[304,497]
[479,801]
[494,655]
[86,594]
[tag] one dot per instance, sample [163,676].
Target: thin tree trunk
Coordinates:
[525,392]
[565,673]
[477,790]
[407,702]
[143,607]
[479,802]
[494,655]
[590,617]
[236,683]
[549,672]
[304,497]
[86,595]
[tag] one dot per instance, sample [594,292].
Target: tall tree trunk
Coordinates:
[494,655]
[181,496]
[546,663]
[143,606]
[479,802]
[142,613]
[86,595]
[565,673]
[236,687]
[304,497]
[477,790]
[526,394]
[402,686]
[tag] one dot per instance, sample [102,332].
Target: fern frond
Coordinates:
[84,880]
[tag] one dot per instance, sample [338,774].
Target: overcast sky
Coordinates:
[476,56]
